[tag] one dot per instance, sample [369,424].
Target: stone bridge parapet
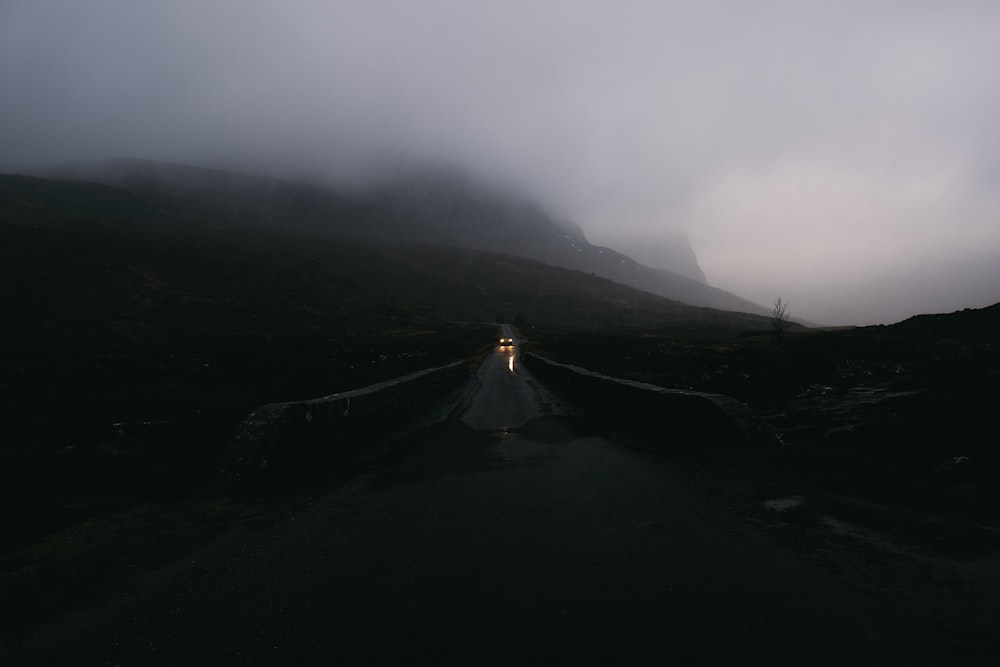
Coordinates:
[281,439]
[694,415]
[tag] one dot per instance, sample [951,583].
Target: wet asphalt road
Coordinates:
[512,536]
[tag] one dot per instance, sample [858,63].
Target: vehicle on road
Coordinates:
[506,342]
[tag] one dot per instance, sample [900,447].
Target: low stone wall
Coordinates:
[279,440]
[694,415]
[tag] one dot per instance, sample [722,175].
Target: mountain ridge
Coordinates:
[92,266]
[440,207]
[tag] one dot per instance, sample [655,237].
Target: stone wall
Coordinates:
[282,440]
[695,416]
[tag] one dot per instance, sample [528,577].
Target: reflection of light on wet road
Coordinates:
[510,362]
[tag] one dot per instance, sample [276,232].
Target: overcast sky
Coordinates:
[843,155]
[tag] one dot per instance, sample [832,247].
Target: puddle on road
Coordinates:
[539,439]
[511,447]
[554,430]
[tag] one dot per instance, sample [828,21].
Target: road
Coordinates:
[505,394]
[514,535]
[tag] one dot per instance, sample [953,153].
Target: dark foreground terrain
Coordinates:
[519,531]
[902,416]
[110,460]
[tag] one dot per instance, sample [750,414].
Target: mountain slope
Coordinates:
[90,265]
[431,207]
[662,249]
[455,211]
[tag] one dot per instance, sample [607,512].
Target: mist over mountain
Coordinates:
[668,249]
[431,206]
[90,266]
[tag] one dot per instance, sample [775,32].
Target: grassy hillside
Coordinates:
[87,265]
[431,206]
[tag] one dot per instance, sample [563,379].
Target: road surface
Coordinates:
[514,536]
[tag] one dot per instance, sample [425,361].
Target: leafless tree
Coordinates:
[779,318]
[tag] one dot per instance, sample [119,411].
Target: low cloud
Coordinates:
[819,151]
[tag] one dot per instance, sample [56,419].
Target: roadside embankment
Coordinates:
[280,441]
[696,416]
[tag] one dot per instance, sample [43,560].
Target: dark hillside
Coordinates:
[439,207]
[88,264]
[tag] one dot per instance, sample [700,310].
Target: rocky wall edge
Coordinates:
[281,440]
[697,416]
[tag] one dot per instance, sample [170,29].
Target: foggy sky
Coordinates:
[842,155]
